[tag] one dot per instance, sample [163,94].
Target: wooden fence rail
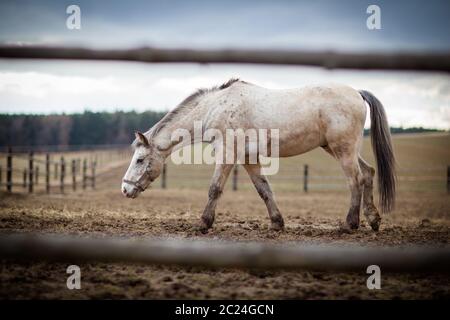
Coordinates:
[66,174]
[326,59]
[224,254]
[307,178]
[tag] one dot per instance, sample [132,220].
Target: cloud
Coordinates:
[44,87]
[410,99]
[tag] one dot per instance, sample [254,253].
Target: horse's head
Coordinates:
[145,166]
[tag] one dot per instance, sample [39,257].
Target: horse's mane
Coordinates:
[188,104]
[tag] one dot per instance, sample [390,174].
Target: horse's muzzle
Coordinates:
[130,191]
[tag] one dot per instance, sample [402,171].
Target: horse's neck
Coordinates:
[181,121]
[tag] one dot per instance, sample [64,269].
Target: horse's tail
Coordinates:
[384,153]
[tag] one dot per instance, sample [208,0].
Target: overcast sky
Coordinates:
[411,99]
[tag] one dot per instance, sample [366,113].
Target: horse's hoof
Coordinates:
[202,227]
[373,218]
[277,227]
[344,228]
[375,224]
[352,223]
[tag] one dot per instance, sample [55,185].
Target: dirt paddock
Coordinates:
[420,218]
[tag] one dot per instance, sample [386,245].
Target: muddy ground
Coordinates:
[420,218]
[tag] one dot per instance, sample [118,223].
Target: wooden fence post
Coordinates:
[47,173]
[78,166]
[448,179]
[30,173]
[305,178]
[84,173]
[93,165]
[9,170]
[163,177]
[62,175]
[74,177]
[36,175]
[55,169]
[235,178]
[25,173]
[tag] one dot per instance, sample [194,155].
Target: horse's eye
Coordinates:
[140,160]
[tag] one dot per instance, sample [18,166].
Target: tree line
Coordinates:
[88,128]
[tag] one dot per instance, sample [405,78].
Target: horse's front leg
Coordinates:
[221,173]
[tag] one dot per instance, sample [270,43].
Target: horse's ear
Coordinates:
[141,138]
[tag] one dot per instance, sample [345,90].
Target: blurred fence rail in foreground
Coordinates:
[326,59]
[223,254]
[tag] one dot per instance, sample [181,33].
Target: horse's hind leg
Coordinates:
[221,173]
[348,158]
[370,211]
[262,186]
[353,173]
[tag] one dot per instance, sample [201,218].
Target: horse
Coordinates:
[330,116]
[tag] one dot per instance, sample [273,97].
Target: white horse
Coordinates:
[328,116]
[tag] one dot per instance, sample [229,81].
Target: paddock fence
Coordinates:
[303,177]
[49,170]
[224,254]
[58,169]
[219,254]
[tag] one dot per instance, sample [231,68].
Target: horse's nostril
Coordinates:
[124,191]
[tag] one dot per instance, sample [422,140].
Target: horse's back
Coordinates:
[279,105]
[307,117]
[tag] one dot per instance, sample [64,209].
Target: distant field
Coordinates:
[422,166]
